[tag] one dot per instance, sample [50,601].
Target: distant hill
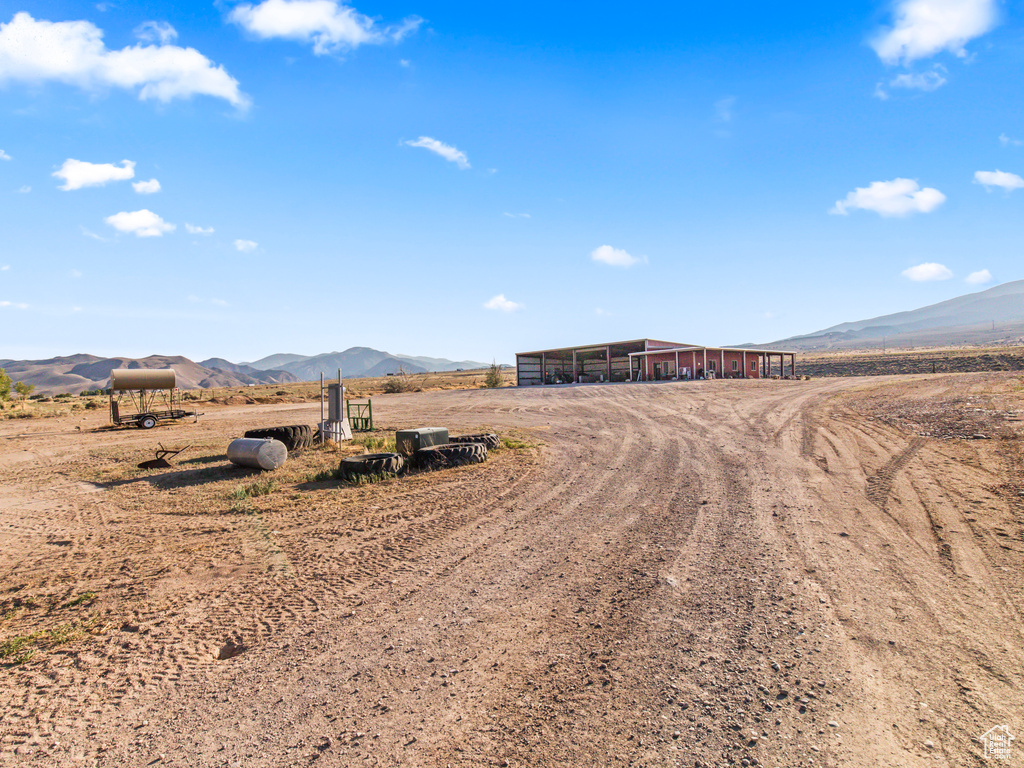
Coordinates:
[993,316]
[75,373]
[78,372]
[359,361]
[265,376]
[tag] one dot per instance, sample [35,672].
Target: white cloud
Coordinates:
[516,215]
[880,92]
[502,304]
[980,277]
[602,312]
[93,235]
[927,271]
[156,32]
[1001,179]
[193,299]
[404,62]
[4,155]
[13,305]
[923,28]
[923,81]
[24,190]
[142,223]
[74,273]
[449,153]
[246,246]
[1006,141]
[615,257]
[329,25]
[723,109]
[898,197]
[146,187]
[5,268]
[73,52]
[194,230]
[79,173]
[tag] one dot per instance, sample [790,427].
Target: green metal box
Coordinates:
[408,441]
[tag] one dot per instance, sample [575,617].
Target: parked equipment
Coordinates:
[145,396]
[162,456]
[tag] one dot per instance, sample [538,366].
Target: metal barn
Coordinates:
[649,360]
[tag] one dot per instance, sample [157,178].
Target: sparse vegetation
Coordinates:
[19,649]
[85,597]
[397,383]
[376,443]
[261,487]
[5,385]
[324,475]
[366,479]
[493,378]
[242,507]
[514,444]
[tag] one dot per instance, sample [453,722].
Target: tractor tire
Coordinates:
[444,456]
[490,440]
[146,422]
[372,464]
[295,438]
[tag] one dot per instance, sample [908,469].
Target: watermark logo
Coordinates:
[997,742]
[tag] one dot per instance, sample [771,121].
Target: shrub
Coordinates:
[397,383]
[493,377]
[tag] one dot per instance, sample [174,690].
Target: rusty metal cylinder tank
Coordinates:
[141,378]
[257,453]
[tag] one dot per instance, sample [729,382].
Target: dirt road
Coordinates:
[693,574]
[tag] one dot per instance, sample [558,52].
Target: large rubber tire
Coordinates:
[490,440]
[372,464]
[147,422]
[443,456]
[295,437]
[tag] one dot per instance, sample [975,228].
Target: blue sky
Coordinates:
[468,181]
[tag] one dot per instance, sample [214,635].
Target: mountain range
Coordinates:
[79,372]
[358,361]
[76,373]
[992,316]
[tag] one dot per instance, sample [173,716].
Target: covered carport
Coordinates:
[590,363]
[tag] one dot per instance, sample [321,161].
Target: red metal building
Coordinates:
[649,360]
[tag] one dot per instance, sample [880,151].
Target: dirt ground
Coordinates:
[777,573]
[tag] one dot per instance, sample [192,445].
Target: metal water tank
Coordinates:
[141,378]
[257,453]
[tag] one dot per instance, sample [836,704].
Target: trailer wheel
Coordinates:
[147,422]
[490,440]
[443,456]
[372,464]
